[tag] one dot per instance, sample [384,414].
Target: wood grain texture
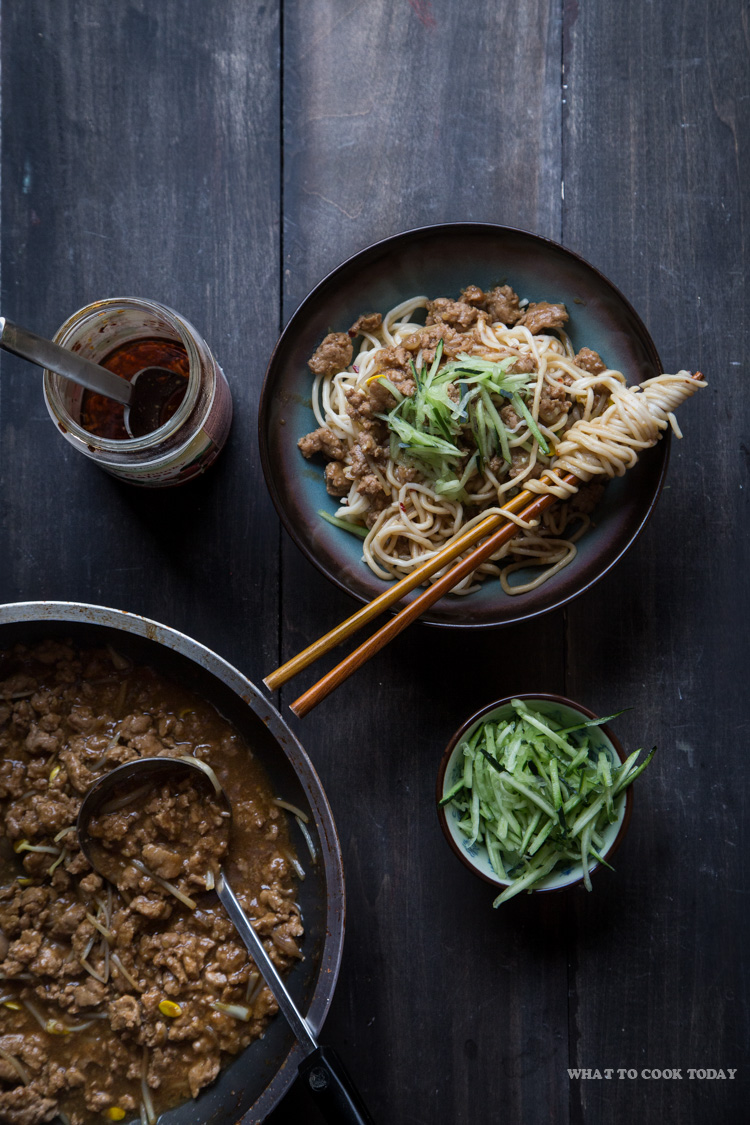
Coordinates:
[402,114]
[657,148]
[222,158]
[396,116]
[141,157]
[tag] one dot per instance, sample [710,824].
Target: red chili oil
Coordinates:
[105,417]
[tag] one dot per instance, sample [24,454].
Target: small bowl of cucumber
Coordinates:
[534,793]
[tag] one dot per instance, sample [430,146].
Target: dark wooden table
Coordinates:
[221,157]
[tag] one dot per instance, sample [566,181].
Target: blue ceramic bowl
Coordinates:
[440,261]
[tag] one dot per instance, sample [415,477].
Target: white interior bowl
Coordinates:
[566,713]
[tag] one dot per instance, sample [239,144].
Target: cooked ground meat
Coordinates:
[457,313]
[406,473]
[538,317]
[96,964]
[502,304]
[402,380]
[427,339]
[379,398]
[454,429]
[590,361]
[519,462]
[524,364]
[553,403]
[391,357]
[24,1105]
[378,499]
[369,485]
[333,355]
[371,447]
[124,1013]
[587,498]
[368,322]
[509,416]
[360,404]
[174,828]
[358,464]
[336,483]
[472,295]
[367,402]
[322,441]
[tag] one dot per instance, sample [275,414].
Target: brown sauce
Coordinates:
[103,416]
[113,999]
[173,827]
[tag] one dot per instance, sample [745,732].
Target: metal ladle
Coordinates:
[144,396]
[321,1070]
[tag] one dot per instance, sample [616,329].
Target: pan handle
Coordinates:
[332,1089]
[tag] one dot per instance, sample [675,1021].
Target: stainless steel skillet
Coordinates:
[253,1084]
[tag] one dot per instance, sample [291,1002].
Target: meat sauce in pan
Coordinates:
[116,1004]
[176,828]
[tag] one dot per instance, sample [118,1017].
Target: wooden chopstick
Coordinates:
[446,582]
[409,613]
[393,594]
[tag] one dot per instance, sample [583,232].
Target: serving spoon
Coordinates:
[321,1070]
[144,396]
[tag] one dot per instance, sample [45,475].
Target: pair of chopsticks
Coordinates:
[527,505]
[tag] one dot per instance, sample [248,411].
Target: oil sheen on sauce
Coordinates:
[103,416]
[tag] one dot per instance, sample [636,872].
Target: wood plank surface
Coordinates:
[656,147]
[148,168]
[222,159]
[386,134]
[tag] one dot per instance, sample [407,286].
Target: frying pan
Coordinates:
[252,1084]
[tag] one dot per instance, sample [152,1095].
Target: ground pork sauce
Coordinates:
[175,826]
[107,996]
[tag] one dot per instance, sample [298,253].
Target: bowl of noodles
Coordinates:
[422,384]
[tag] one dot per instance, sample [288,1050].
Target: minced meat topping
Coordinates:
[117,999]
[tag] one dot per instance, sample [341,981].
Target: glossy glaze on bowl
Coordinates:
[440,261]
[565,712]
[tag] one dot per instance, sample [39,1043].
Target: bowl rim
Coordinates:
[88,614]
[461,732]
[360,259]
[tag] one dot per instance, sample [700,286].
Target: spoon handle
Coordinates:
[303,1033]
[63,362]
[332,1089]
[321,1070]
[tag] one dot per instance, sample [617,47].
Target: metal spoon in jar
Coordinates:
[321,1070]
[144,396]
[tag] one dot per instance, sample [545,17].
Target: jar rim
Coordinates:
[186,336]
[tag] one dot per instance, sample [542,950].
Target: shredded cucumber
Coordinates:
[537,795]
[345,525]
[432,431]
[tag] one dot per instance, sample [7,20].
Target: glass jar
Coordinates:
[188,442]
